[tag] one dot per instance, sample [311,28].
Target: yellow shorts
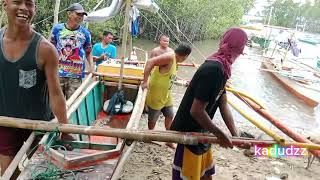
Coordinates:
[190,166]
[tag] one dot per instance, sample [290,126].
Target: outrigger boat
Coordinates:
[93,157]
[298,78]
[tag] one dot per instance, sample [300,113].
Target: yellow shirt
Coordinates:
[160,85]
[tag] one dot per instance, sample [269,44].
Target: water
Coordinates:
[247,77]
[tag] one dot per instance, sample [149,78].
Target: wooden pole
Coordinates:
[56,12]
[289,132]
[26,146]
[134,124]
[117,76]
[138,135]
[124,41]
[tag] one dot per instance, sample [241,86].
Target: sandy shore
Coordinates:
[153,161]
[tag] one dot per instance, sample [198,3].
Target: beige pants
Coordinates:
[69,86]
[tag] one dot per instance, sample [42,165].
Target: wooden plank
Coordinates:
[115,84]
[87,145]
[90,108]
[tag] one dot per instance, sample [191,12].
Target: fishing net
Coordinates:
[48,170]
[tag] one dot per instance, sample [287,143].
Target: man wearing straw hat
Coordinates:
[28,76]
[73,43]
[205,94]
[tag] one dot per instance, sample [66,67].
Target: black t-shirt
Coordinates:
[207,85]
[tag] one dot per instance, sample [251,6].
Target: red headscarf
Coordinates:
[231,46]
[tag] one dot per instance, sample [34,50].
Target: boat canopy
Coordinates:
[106,13]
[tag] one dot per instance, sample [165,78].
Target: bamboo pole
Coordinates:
[289,132]
[117,76]
[272,134]
[138,135]
[133,126]
[124,41]
[56,12]
[179,64]
[26,146]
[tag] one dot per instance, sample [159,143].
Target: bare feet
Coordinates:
[171,145]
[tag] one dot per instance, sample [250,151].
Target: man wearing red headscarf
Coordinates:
[205,94]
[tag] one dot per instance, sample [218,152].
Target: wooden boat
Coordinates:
[100,154]
[308,90]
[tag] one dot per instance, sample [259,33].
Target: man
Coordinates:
[159,98]
[73,43]
[206,92]
[28,77]
[162,48]
[104,50]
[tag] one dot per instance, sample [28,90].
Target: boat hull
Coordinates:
[307,96]
[93,156]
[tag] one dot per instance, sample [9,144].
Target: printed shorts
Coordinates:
[69,86]
[187,165]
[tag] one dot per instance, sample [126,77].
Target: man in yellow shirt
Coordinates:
[163,70]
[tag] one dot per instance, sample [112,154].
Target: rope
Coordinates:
[182,33]
[177,38]
[47,18]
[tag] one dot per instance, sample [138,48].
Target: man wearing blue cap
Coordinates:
[73,43]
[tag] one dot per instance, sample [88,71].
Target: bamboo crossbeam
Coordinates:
[179,64]
[138,135]
[117,76]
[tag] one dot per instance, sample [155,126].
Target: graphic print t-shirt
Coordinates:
[71,46]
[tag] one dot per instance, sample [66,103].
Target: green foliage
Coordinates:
[196,19]
[287,13]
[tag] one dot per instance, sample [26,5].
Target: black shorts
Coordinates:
[153,115]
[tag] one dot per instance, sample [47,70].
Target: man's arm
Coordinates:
[198,113]
[48,57]
[88,47]
[89,59]
[161,60]
[226,115]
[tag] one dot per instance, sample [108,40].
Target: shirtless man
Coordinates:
[29,79]
[163,70]
[162,48]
